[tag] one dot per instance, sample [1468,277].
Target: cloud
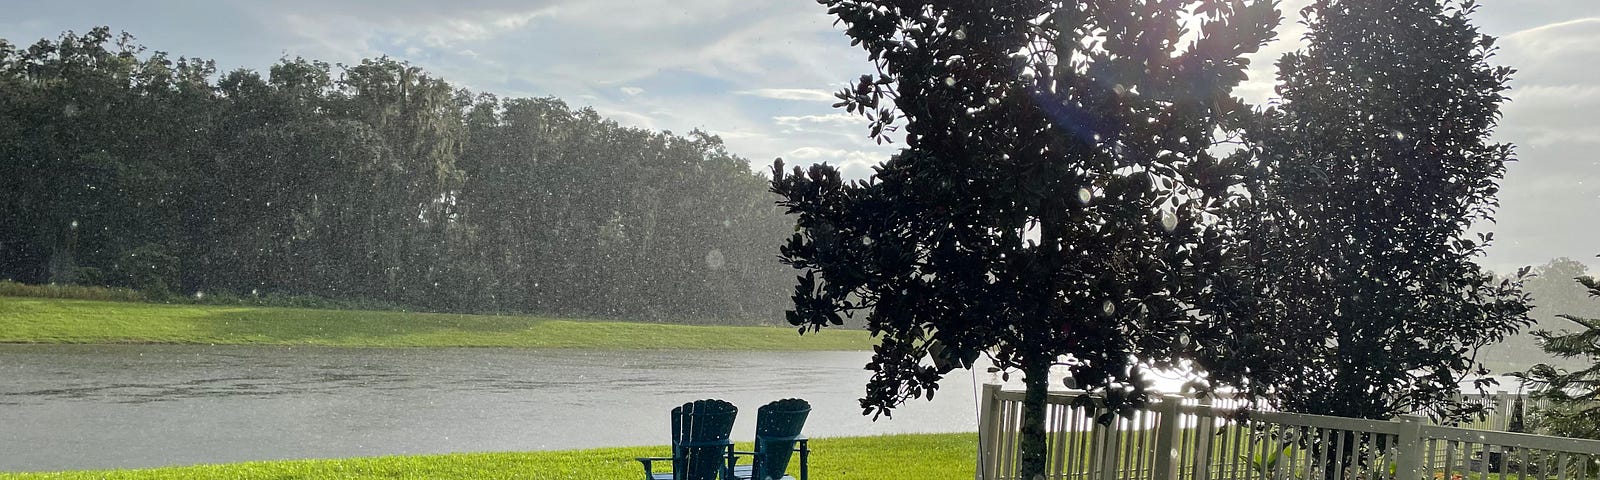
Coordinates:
[632,91]
[830,120]
[629,118]
[852,164]
[1557,37]
[812,153]
[838,156]
[796,94]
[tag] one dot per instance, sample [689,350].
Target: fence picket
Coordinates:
[1175,438]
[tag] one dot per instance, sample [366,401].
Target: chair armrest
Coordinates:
[646,461]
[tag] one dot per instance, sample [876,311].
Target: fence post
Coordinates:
[1204,435]
[988,432]
[1167,442]
[1409,465]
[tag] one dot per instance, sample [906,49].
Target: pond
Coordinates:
[128,406]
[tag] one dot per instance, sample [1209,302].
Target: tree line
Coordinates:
[371,181]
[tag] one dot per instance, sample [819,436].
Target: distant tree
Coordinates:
[1552,291]
[1372,168]
[1556,290]
[1051,200]
[96,142]
[1573,396]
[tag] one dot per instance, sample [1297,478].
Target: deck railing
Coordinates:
[1212,442]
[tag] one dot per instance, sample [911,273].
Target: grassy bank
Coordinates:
[936,456]
[113,294]
[46,320]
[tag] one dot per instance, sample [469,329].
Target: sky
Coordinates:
[760,74]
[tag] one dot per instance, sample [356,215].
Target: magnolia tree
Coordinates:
[1372,169]
[1053,203]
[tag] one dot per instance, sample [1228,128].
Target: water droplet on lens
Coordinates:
[715,260]
[1168,221]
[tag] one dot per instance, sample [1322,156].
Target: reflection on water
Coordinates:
[123,406]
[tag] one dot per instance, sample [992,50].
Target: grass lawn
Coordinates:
[49,320]
[929,456]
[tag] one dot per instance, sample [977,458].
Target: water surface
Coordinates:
[127,406]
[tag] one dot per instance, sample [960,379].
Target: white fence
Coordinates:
[1207,442]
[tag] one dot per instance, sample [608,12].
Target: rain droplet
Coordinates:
[949,81]
[961,33]
[714,259]
[1108,308]
[74,224]
[1168,221]
[1085,196]
[994,101]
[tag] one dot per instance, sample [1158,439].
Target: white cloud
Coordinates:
[1557,38]
[627,118]
[812,153]
[838,156]
[831,120]
[445,31]
[797,94]
[632,91]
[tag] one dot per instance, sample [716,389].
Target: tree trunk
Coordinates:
[1032,446]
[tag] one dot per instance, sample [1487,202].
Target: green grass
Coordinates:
[924,456]
[47,320]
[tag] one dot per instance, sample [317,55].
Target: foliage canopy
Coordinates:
[1052,198]
[1371,169]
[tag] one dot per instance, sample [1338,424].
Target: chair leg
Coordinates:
[804,452]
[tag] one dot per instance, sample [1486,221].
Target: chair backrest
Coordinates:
[777,429]
[700,442]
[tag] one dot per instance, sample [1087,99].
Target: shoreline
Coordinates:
[34,321]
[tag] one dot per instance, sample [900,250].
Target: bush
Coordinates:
[147,268]
[75,292]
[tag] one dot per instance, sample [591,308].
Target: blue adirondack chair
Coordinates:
[777,439]
[701,449]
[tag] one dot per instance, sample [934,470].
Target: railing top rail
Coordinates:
[1333,423]
[1062,397]
[1057,397]
[1066,397]
[1519,440]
